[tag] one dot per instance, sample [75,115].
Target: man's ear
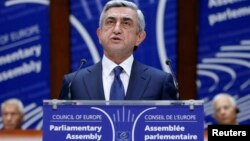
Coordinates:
[141,36]
[237,110]
[98,33]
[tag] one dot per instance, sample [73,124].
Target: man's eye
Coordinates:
[110,22]
[217,110]
[226,107]
[126,23]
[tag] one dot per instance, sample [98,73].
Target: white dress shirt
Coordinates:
[108,74]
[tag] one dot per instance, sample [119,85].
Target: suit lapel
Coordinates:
[138,81]
[93,82]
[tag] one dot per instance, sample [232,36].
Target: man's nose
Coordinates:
[8,116]
[223,111]
[117,28]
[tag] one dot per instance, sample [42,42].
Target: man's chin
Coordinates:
[10,128]
[226,122]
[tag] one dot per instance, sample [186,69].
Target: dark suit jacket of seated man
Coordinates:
[120,32]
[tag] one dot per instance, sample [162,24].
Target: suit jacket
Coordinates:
[145,83]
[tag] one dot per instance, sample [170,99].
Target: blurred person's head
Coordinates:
[12,114]
[225,109]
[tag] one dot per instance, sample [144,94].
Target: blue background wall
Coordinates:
[224,54]
[25,56]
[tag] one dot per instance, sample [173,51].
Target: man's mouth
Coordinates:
[116,38]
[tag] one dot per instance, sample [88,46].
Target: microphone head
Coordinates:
[83,61]
[168,62]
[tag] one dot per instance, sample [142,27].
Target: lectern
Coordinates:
[123,120]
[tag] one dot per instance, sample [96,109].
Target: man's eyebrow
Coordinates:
[127,19]
[123,18]
[110,17]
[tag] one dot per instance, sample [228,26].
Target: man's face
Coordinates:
[12,117]
[119,33]
[225,112]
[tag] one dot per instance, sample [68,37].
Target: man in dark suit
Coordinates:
[121,30]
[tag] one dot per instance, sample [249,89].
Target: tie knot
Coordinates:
[118,70]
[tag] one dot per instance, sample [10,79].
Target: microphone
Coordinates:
[83,61]
[168,62]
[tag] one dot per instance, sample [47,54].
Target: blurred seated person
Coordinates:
[12,114]
[225,109]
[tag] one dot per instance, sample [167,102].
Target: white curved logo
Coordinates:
[110,120]
[15,2]
[161,48]
[86,37]
[223,61]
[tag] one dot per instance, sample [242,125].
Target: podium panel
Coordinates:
[123,120]
[21,135]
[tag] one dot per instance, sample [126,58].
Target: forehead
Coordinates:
[223,102]
[10,108]
[121,12]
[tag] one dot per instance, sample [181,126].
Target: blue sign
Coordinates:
[24,56]
[224,54]
[159,45]
[128,122]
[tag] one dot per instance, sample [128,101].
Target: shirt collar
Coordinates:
[108,65]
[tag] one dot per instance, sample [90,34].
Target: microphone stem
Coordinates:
[168,62]
[83,61]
